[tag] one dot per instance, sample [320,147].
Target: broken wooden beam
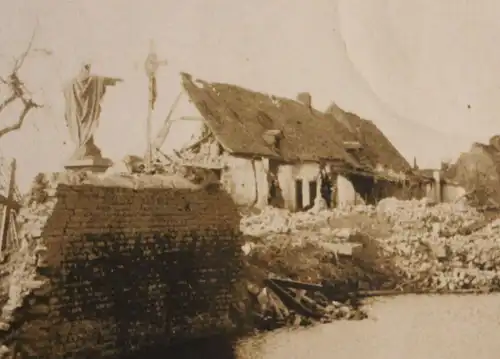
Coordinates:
[11,203]
[290,302]
[287,283]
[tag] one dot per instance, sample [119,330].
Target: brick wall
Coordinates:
[120,269]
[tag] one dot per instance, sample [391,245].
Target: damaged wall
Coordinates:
[245,180]
[288,174]
[309,172]
[346,194]
[127,265]
[451,192]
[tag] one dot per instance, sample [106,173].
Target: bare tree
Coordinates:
[18,91]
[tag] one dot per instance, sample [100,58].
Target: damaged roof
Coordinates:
[242,119]
[376,147]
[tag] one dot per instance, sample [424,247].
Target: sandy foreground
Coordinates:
[409,327]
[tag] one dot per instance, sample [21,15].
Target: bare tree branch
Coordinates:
[20,121]
[7,102]
[44,51]
[18,90]
[20,61]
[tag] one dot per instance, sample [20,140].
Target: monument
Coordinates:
[83,98]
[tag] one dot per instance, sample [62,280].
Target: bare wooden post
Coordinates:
[7,208]
[149,155]
[163,133]
[151,66]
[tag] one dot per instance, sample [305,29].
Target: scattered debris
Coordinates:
[323,263]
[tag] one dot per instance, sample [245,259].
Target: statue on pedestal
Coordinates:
[83,98]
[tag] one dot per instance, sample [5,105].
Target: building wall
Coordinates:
[307,172]
[122,267]
[287,183]
[346,194]
[430,191]
[288,174]
[246,180]
[451,192]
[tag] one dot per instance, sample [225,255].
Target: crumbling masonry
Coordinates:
[112,268]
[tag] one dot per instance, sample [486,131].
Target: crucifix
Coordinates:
[151,67]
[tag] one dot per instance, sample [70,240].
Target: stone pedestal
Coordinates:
[92,164]
[88,158]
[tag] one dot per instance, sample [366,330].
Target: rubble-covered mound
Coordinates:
[478,171]
[399,246]
[443,247]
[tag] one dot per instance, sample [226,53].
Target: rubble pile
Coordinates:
[278,221]
[401,246]
[307,247]
[443,247]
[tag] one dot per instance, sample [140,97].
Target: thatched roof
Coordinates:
[243,121]
[377,149]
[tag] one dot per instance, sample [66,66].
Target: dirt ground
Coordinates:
[411,327]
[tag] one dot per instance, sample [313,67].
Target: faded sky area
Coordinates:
[425,71]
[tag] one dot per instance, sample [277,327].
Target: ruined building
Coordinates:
[283,152]
[477,173]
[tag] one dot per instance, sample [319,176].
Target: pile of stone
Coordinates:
[443,247]
[297,246]
[413,246]
[273,220]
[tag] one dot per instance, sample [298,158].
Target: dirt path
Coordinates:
[410,327]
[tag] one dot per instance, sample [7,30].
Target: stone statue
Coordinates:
[83,98]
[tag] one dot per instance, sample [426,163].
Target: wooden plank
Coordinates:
[393,293]
[149,152]
[13,230]
[287,283]
[163,133]
[290,302]
[205,165]
[5,201]
[7,209]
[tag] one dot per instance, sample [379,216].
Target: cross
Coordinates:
[151,66]
[152,62]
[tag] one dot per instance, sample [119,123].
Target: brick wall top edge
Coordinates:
[85,185]
[82,190]
[75,179]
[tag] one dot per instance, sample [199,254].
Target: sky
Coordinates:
[424,71]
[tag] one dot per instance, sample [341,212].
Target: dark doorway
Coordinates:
[365,187]
[312,192]
[275,195]
[298,194]
[327,189]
